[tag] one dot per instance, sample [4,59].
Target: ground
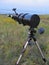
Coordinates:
[12,38]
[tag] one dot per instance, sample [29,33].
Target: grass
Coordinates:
[12,38]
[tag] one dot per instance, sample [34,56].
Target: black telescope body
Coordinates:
[27,19]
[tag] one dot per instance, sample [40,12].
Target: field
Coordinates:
[12,38]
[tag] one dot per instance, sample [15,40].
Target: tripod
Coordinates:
[30,37]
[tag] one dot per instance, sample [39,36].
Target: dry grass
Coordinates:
[12,36]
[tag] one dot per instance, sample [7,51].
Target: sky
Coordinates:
[25,6]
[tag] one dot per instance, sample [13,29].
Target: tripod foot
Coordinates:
[44,60]
[16,64]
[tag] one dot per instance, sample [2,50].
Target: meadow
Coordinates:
[12,38]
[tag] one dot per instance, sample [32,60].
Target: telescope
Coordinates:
[31,20]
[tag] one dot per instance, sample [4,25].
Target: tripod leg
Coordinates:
[24,48]
[40,51]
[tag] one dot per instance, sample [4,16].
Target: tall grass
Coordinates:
[12,38]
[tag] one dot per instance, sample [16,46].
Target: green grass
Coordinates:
[12,38]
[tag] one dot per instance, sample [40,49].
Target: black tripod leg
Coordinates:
[40,51]
[24,48]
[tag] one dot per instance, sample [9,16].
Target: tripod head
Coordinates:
[40,30]
[33,31]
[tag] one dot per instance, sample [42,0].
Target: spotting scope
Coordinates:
[31,20]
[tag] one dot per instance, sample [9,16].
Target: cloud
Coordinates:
[20,2]
[28,5]
[27,2]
